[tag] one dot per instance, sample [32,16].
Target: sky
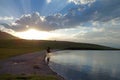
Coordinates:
[88,21]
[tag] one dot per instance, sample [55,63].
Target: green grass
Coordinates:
[10,52]
[22,77]
[9,48]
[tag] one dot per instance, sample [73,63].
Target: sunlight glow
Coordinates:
[33,34]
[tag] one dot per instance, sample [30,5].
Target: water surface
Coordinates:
[86,65]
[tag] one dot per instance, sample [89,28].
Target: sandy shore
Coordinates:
[27,64]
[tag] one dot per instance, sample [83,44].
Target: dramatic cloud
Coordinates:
[103,33]
[79,15]
[40,22]
[30,21]
[101,11]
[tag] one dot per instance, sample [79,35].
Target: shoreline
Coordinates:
[28,64]
[56,74]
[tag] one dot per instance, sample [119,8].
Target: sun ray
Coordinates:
[26,5]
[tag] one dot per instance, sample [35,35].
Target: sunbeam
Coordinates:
[26,5]
[53,7]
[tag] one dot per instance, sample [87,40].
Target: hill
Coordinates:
[4,35]
[43,44]
[14,47]
[9,41]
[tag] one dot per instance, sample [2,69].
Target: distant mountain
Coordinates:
[4,35]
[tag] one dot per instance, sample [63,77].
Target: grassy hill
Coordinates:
[4,35]
[12,46]
[9,41]
[43,44]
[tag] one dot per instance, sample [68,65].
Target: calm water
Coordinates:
[86,65]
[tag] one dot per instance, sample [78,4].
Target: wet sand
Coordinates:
[27,64]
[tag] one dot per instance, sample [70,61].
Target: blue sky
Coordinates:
[91,21]
[17,8]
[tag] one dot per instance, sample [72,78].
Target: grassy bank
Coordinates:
[22,77]
[10,52]
[9,48]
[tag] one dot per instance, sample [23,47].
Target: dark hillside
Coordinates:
[4,35]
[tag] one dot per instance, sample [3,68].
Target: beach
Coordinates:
[27,64]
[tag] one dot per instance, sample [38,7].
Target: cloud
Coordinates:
[82,1]
[30,21]
[6,18]
[4,29]
[102,33]
[98,11]
[108,10]
[35,20]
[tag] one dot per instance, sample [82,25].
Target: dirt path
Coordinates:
[27,64]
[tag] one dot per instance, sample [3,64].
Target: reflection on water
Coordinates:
[87,65]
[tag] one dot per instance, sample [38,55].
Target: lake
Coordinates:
[86,65]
